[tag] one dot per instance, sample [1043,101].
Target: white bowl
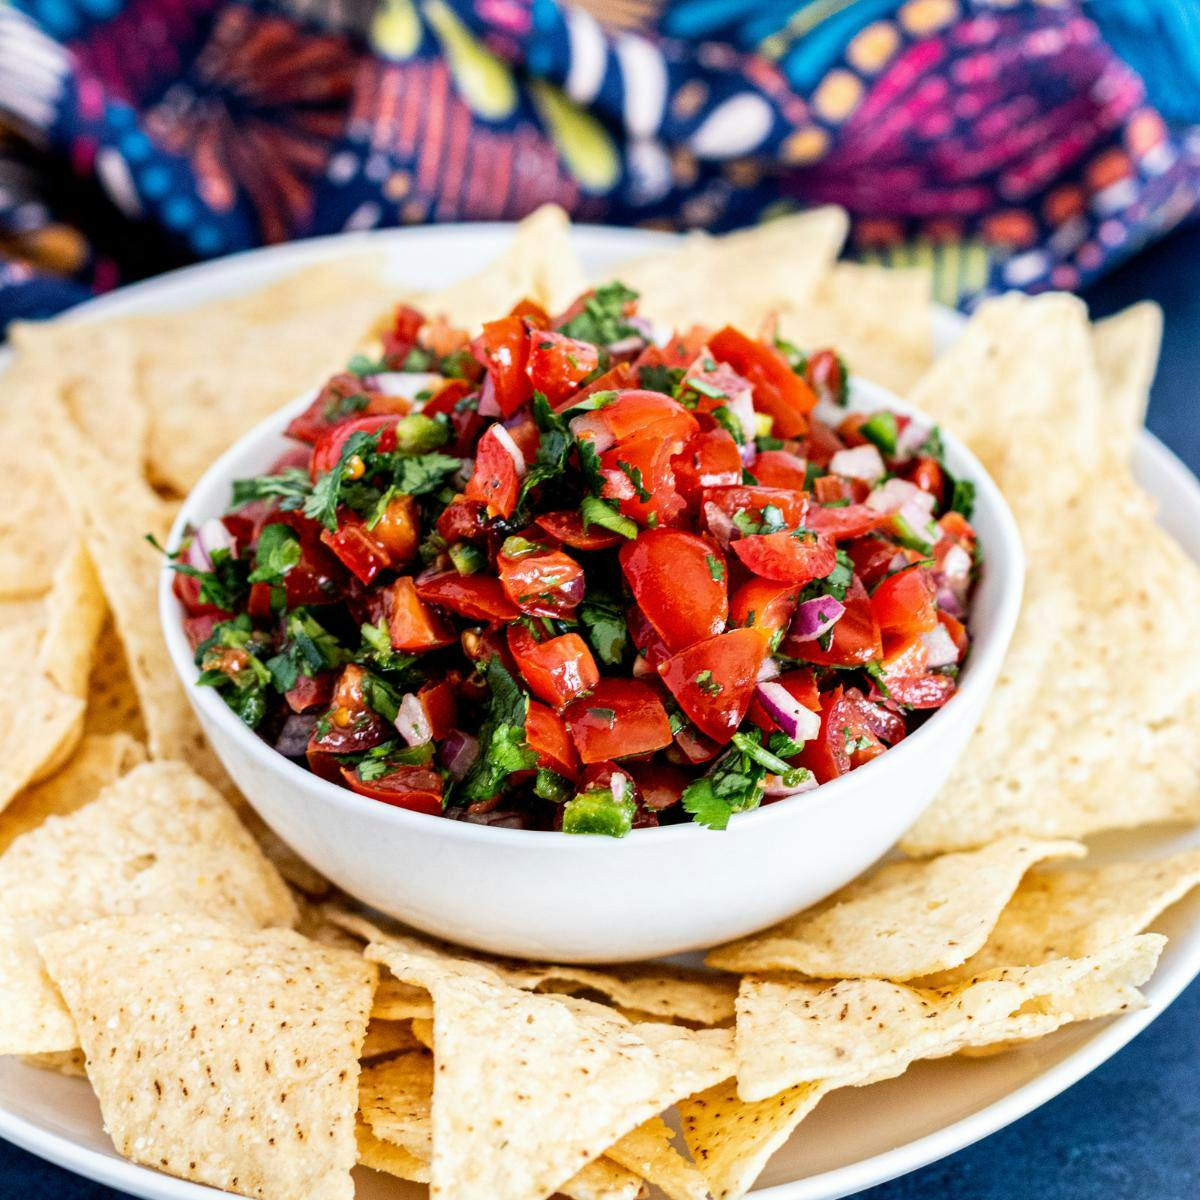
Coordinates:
[580,898]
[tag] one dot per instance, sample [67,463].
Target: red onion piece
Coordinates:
[798,722]
[593,425]
[769,670]
[489,406]
[406,384]
[212,535]
[816,617]
[720,523]
[778,790]
[627,346]
[748,452]
[940,647]
[948,602]
[458,751]
[860,462]
[642,667]
[411,722]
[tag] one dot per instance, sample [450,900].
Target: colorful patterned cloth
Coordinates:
[1002,142]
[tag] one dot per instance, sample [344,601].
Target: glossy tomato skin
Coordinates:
[462,520]
[412,625]
[419,789]
[548,738]
[781,469]
[440,704]
[787,558]
[311,691]
[678,580]
[778,390]
[713,680]
[709,459]
[620,719]
[903,603]
[855,638]
[341,398]
[476,597]
[764,603]
[567,527]
[845,521]
[638,413]
[329,445]
[494,481]
[617,378]
[638,476]
[353,726]
[548,584]
[559,364]
[845,741]
[318,578]
[921,691]
[356,547]
[503,349]
[752,500]
[558,670]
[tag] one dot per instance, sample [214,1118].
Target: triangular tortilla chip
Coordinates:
[112,701]
[1126,346]
[396,1001]
[898,920]
[159,840]
[221,1055]
[649,1152]
[861,1030]
[383,1156]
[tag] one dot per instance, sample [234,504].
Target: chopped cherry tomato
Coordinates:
[328,449]
[503,348]
[476,597]
[398,530]
[653,650]
[343,397]
[548,739]
[311,691]
[567,527]
[847,738]
[845,522]
[904,655]
[678,581]
[542,584]
[352,725]
[532,312]
[558,670]
[678,354]
[710,459]
[714,680]
[419,789]
[764,603]
[316,579]
[821,445]
[412,624]
[792,506]
[495,481]
[921,691]
[617,378]
[637,474]
[621,718]
[957,631]
[462,520]
[928,475]
[778,390]
[199,629]
[855,638]
[356,546]
[660,784]
[637,413]
[781,469]
[904,602]
[558,364]
[795,557]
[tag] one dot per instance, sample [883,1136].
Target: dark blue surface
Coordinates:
[1130,1130]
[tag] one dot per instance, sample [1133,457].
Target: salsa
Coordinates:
[575,573]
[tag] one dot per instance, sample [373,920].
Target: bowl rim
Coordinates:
[988,649]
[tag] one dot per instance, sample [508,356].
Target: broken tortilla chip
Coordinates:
[649,1152]
[195,1031]
[159,840]
[896,921]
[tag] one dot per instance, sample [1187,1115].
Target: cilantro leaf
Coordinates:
[554,449]
[503,749]
[963,498]
[602,319]
[277,553]
[733,784]
[605,625]
[291,488]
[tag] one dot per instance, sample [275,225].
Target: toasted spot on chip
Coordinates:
[159,840]
[219,1054]
[896,922]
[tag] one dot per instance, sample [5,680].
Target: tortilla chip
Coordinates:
[388,1037]
[159,840]
[98,761]
[392,1160]
[112,702]
[649,1152]
[880,320]
[897,921]
[538,264]
[221,1055]
[857,1031]
[74,614]
[531,1087]
[62,1062]
[738,278]
[1127,346]
[300,874]
[396,1001]
[1073,913]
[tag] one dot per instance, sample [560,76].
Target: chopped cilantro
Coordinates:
[602,319]
[554,449]
[963,498]
[360,364]
[634,475]
[503,749]
[707,684]
[290,487]
[716,568]
[599,512]
[733,784]
[732,426]
[657,377]
[277,553]
[604,623]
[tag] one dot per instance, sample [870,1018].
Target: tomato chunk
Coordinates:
[328,449]
[548,739]
[477,597]
[792,506]
[710,459]
[778,390]
[852,733]
[353,726]
[398,530]
[495,480]
[637,474]
[781,469]
[412,624]
[764,603]
[503,348]
[904,602]
[794,557]
[621,718]
[559,364]
[419,789]
[542,584]
[357,547]
[714,679]
[635,413]
[855,637]
[844,522]
[558,670]
[567,527]
[678,581]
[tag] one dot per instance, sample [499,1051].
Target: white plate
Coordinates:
[857,1137]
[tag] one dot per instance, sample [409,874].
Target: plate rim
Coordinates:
[243,270]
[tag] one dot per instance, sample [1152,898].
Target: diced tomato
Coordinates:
[329,445]
[957,631]
[531,311]
[357,547]
[440,705]
[311,691]
[904,655]
[495,481]
[793,506]
[845,522]
[780,469]
[559,364]
[713,680]
[957,526]
[353,726]
[710,459]
[787,558]
[412,624]
[904,602]
[855,637]
[558,670]
[444,401]
[637,474]
[399,340]
[822,444]
[850,428]
[503,348]
[921,691]
[763,603]
[343,397]
[645,637]
[477,597]
[419,789]
[567,527]
[800,685]
[678,581]
[199,629]
[637,413]
[778,390]
[462,520]
[826,376]
[621,718]
[542,585]
[847,738]
[398,530]
[928,475]
[464,418]
[548,739]
[615,379]
[831,489]
[678,354]
[660,784]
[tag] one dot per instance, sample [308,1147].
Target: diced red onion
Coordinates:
[626,345]
[593,425]
[514,451]
[777,789]
[770,669]
[948,602]
[644,326]
[458,751]
[411,722]
[910,439]
[956,565]
[798,722]
[748,452]
[860,462]
[292,740]
[489,406]
[816,617]
[919,516]
[212,535]
[940,647]
[720,523]
[641,667]
[620,786]
[893,495]
[406,384]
